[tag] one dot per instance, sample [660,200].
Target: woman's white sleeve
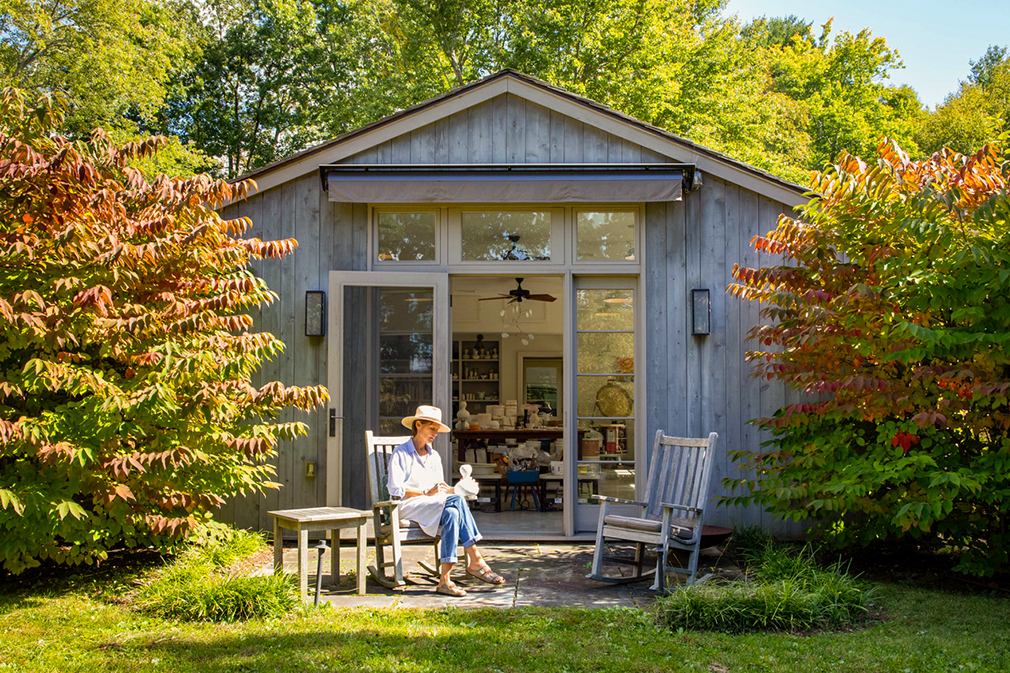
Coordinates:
[397,475]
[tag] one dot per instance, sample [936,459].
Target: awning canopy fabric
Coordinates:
[357,183]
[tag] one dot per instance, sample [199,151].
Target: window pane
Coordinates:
[605,309]
[406,237]
[606,453]
[404,310]
[606,236]
[606,353]
[503,236]
[606,396]
[405,353]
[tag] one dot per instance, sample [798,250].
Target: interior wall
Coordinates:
[545,345]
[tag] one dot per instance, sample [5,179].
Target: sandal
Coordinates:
[485,574]
[447,590]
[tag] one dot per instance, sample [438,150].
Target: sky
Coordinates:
[936,39]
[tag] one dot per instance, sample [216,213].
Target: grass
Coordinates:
[785,589]
[201,584]
[83,623]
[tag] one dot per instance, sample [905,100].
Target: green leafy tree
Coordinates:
[977,113]
[126,409]
[777,31]
[270,80]
[840,84]
[891,310]
[109,58]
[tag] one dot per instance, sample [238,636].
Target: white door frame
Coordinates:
[441,392]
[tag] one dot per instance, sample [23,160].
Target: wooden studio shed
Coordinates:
[530,255]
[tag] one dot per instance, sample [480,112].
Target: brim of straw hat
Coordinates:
[408,422]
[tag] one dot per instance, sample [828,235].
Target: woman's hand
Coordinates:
[440,487]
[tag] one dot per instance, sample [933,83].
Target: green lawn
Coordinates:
[81,626]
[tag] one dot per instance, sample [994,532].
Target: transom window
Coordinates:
[523,236]
[407,237]
[588,236]
[605,236]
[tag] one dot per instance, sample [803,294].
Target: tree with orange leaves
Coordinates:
[126,409]
[891,310]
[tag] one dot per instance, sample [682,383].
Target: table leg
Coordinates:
[362,547]
[278,548]
[335,557]
[303,563]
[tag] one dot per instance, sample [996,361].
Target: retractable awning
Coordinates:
[526,183]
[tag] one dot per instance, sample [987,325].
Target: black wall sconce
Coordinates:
[315,313]
[701,312]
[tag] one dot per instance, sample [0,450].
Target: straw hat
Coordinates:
[426,413]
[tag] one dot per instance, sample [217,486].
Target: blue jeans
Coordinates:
[457,525]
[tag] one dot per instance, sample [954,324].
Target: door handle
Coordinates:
[333,422]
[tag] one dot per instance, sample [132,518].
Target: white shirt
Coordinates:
[406,470]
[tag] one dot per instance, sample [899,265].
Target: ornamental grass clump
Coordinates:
[203,584]
[784,590]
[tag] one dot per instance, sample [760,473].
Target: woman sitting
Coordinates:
[415,476]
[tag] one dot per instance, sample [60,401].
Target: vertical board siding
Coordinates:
[538,132]
[479,145]
[696,351]
[701,384]
[441,141]
[713,275]
[458,135]
[329,235]
[515,129]
[736,238]
[596,146]
[750,386]
[657,306]
[574,151]
[507,129]
[422,145]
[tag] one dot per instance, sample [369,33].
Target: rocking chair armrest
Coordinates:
[621,501]
[392,504]
[684,508]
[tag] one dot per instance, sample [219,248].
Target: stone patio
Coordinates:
[537,574]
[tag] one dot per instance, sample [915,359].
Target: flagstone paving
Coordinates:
[544,575]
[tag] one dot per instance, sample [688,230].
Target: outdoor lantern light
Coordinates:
[701,312]
[315,313]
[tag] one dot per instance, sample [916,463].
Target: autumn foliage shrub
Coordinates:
[126,409]
[891,310]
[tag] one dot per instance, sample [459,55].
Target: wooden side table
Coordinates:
[332,519]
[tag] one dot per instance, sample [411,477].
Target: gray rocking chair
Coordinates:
[389,532]
[672,515]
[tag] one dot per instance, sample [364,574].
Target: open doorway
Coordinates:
[507,364]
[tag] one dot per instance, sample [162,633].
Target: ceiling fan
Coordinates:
[519,294]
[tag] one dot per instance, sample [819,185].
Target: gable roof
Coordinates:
[547,95]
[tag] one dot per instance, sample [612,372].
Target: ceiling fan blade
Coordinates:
[541,297]
[501,296]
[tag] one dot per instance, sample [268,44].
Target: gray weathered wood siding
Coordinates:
[329,236]
[695,384]
[701,384]
[507,130]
